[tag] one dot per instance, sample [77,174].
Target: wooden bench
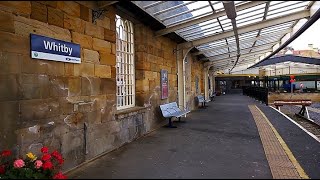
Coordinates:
[303,102]
[202,101]
[171,110]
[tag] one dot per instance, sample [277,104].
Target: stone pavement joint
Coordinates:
[283,164]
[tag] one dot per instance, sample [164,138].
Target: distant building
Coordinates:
[310,52]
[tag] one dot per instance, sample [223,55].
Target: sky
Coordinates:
[310,36]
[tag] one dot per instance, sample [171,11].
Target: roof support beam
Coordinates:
[248,28]
[205,18]
[251,40]
[103,4]
[264,18]
[262,45]
[232,14]
[312,20]
[243,56]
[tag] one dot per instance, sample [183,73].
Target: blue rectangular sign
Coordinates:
[56,50]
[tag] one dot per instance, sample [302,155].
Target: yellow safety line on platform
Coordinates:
[296,164]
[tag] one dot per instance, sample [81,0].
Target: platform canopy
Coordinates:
[288,59]
[230,34]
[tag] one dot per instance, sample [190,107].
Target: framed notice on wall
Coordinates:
[164,84]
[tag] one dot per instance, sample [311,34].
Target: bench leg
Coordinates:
[304,110]
[170,124]
[179,121]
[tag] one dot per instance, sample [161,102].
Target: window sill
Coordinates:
[120,114]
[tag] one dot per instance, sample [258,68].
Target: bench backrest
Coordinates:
[168,109]
[200,98]
[304,102]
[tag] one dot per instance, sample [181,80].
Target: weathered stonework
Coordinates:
[72,107]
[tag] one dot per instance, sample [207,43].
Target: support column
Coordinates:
[181,56]
[180,78]
[206,87]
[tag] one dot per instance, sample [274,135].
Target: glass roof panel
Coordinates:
[173,13]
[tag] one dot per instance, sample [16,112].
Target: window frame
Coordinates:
[125,64]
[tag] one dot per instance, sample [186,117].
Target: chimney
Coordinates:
[310,46]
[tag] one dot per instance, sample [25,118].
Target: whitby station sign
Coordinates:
[56,50]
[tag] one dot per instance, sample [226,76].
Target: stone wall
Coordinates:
[151,55]
[72,107]
[194,72]
[49,103]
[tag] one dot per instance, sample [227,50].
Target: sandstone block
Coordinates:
[36,109]
[66,107]
[14,43]
[143,66]
[68,69]
[70,7]
[100,45]
[84,69]
[142,85]
[107,59]
[113,72]
[94,30]
[58,86]
[90,56]
[9,111]
[90,86]
[139,74]
[9,63]
[74,86]
[104,23]
[113,48]
[25,26]
[49,3]
[108,86]
[55,17]
[6,22]
[29,65]
[9,88]
[84,40]
[102,71]
[94,117]
[73,23]
[39,11]
[22,8]
[84,13]
[109,35]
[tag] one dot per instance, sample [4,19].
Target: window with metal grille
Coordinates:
[125,64]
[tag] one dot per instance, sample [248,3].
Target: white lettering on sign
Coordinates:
[53,46]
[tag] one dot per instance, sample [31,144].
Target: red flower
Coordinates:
[2,169]
[59,176]
[6,153]
[44,149]
[56,154]
[61,161]
[46,157]
[47,165]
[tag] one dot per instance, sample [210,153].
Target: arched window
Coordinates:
[125,64]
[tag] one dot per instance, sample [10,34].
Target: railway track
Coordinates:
[313,126]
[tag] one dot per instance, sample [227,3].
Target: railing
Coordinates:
[256,92]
